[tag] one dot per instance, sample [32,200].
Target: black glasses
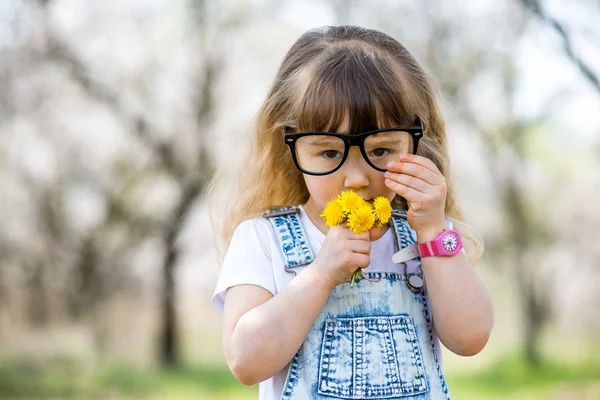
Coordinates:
[321,153]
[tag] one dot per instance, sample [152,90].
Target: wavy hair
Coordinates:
[330,75]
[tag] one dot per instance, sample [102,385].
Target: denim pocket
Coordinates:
[371,358]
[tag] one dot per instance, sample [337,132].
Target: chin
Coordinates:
[375,233]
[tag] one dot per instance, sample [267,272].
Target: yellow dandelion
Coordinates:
[350,201]
[333,213]
[361,219]
[382,209]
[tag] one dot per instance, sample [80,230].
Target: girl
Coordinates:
[350,110]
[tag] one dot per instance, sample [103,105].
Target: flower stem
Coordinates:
[361,272]
[354,276]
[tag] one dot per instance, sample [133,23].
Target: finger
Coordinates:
[417,170]
[360,246]
[420,160]
[410,181]
[356,236]
[362,260]
[360,237]
[410,194]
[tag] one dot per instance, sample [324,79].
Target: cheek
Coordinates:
[322,188]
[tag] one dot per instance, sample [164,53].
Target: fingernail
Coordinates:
[387,174]
[390,164]
[403,156]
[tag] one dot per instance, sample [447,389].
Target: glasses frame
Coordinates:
[349,141]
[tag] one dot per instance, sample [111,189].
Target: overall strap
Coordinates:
[291,236]
[405,235]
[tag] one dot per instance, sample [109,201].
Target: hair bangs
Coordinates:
[352,92]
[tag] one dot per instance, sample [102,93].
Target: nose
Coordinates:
[356,170]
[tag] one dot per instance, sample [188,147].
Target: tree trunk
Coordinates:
[534,307]
[168,342]
[169,348]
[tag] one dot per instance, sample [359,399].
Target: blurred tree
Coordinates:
[586,70]
[506,156]
[509,153]
[52,82]
[459,49]
[537,301]
[191,178]
[189,173]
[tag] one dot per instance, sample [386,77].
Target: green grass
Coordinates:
[71,379]
[511,377]
[508,378]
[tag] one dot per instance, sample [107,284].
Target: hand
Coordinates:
[421,183]
[341,254]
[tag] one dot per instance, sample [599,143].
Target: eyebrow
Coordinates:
[386,142]
[387,134]
[315,141]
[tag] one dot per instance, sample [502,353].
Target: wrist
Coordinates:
[425,235]
[318,279]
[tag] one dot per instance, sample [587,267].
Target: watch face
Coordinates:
[449,242]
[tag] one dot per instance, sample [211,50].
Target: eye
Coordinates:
[331,154]
[380,152]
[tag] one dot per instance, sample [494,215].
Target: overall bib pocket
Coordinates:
[371,358]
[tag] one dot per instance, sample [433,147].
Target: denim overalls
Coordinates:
[371,340]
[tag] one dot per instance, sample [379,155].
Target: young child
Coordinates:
[350,110]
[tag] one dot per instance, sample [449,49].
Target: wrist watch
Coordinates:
[447,243]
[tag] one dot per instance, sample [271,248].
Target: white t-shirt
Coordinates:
[255,257]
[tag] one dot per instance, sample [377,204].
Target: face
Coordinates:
[354,175]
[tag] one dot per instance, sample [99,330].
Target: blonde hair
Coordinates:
[331,74]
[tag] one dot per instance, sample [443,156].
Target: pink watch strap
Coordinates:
[428,249]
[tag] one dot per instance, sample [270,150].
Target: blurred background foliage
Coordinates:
[114,115]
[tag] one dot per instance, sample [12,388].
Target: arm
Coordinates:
[461,306]
[262,332]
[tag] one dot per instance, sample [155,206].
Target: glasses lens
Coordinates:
[319,153]
[387,146]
